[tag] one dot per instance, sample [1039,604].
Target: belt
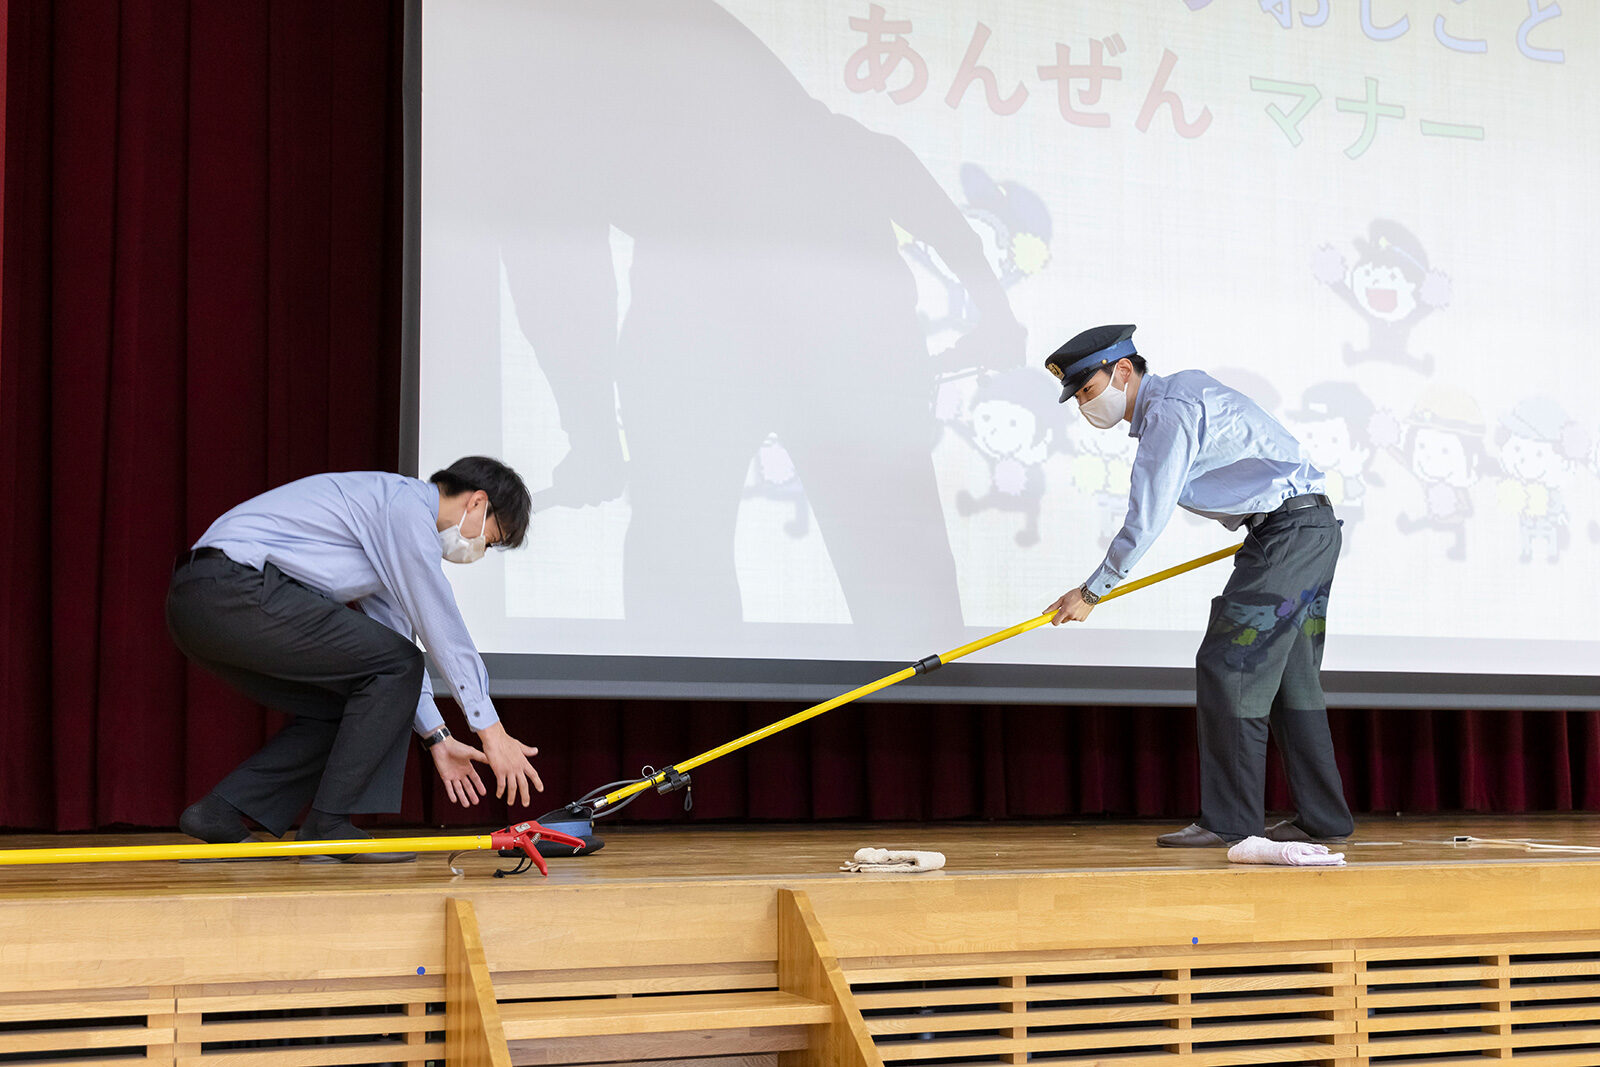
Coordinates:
[186,558]
[1294,503]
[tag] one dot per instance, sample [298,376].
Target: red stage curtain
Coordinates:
[200,300]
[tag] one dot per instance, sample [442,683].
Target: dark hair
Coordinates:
[1075,383]
[508,497]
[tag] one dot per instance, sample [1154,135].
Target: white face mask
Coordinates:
[459,548]
[1108,408]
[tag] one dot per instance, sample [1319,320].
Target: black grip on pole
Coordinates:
[672,781]
[928,665]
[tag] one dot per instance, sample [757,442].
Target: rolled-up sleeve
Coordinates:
[1167,449]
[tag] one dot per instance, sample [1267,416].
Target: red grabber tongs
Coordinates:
[521,840]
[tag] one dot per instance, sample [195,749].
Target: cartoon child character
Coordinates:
[1008,422]
[1441,444]
[773,477]
[1016,230]
[1017,221]
[1391,286]
[1314,613]
[1250,621]
[1538,447]
[1334,423]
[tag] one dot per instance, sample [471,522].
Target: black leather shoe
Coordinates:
[1289,830]
[214,821]
[1195,836]
[340,829]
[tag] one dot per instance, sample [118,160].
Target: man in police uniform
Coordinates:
[1211,450]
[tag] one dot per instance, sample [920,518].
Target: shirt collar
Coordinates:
[1151,388]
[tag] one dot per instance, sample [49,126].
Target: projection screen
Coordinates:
[755,296]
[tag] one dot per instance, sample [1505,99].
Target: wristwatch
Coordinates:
[434,738]
[1089,598]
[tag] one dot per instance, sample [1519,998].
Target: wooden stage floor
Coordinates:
[725,946]
[637,855]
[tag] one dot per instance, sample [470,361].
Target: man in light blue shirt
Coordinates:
[1212,450]
[310,598]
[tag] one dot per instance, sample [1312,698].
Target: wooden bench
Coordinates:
[578,1022]
[618,1029]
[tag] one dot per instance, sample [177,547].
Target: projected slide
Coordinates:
[755,295]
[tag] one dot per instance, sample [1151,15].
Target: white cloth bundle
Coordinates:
[1284,853]
[889,859]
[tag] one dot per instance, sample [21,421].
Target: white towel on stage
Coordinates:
[889,859]
[1284,853]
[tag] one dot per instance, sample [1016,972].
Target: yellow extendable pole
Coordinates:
[896,678]
[509,837]
[242,850]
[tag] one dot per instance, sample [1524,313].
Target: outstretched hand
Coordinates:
[508,758]
[454,761]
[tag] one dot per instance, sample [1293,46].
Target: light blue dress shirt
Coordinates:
[1207,449]
[371,539]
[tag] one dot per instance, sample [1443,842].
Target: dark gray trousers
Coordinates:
[350,682]
[1261,663]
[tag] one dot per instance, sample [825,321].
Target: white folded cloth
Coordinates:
[889,859]
[1284,853]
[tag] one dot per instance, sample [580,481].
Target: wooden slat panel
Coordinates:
[1119,1013]
[1094,1039]
[636,1048]
[1413,998]
[320,1055]
[353,997]
[1448,1019]
[1420,1046]
[1565,1035]
[72,1007]
[528,985]
[875,1000]
[315,1026]
[992,965]
[1472,971]
[1270,980]
[1532,1056]
[655,1015]
[1303,1052]
[1422,948]
[57,1040]
[1430,975]
[1554,968]
[1555,990]
[1115,987]
[1294,1053]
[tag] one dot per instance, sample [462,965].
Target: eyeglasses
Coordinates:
[500,542]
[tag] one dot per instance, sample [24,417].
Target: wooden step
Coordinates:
[610,1016]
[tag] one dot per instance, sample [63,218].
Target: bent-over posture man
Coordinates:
[308,598]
